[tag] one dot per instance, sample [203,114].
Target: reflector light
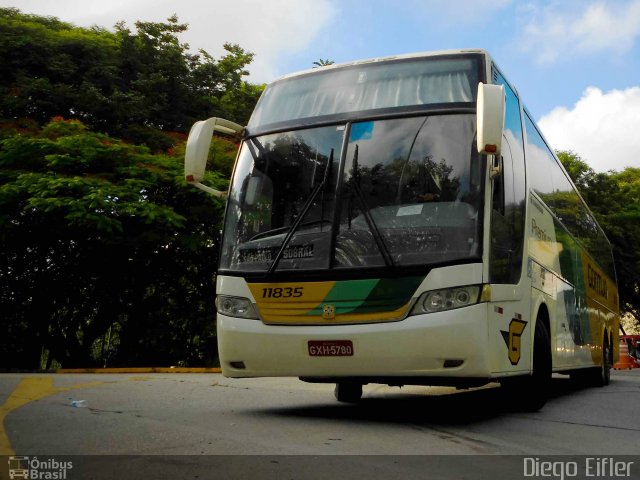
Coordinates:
[490,148]
[189,178]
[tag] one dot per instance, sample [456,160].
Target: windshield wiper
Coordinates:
[303,213]
[377,236]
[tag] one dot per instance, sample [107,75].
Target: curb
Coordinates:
[139,370]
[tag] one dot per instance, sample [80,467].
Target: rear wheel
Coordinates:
[348,392]
[607,363]
[529,393]
[602,376]
[597,376]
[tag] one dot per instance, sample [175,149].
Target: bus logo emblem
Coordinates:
[18,467]
[513,339]
[328,312]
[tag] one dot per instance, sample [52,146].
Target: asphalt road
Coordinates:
[297,430]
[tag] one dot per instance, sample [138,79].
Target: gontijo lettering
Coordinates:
[597,282]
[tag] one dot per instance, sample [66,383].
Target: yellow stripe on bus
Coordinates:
[288,300]
[289,317]
[292,303]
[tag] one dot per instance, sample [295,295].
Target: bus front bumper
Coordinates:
[446,344]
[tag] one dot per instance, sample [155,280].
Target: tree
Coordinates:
[323,63]
[107,253]
[132,84]
[100,236]
[614,199]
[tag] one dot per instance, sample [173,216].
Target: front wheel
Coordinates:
[529,393]
[348,392]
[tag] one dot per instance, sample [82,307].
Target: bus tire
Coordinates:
[348,392]
[596,376]
[601,376]
[529,393]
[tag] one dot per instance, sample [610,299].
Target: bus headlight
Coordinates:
[236,307]
[446,299]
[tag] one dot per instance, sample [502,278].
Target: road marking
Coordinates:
[28,390]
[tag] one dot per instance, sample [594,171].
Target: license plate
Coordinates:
[330,348]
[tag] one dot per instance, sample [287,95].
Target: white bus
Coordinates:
[402,221]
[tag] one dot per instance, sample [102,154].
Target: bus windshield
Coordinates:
[369,87]
[401,192]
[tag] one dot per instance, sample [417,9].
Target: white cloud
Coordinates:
[270,29]
[459,12]
[603,128]
[575,28]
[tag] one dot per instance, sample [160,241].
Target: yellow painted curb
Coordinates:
[139,370]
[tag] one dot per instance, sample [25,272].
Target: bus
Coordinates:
[403,221]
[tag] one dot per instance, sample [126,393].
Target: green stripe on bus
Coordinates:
[390,294]
[346,295]
[369,296]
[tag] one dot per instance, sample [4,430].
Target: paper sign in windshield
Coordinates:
[409,210]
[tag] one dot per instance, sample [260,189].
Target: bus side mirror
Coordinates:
[198,144]
[490,118]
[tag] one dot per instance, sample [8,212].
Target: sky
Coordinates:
[575,63]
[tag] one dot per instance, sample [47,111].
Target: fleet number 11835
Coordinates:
[282,292]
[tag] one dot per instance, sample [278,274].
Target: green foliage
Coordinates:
[100,238]
[614,199]
[59,127]
[133,84]
[107,254]
[222,156]
[323,63]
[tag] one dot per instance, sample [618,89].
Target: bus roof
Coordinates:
[382,59]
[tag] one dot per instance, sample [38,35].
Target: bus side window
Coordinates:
[511,234]
[502,228]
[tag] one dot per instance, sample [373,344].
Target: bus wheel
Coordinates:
[607,357]
[596,376]
[600,377]
[529,393]
[348,392]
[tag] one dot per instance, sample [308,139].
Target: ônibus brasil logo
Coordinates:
[34,469]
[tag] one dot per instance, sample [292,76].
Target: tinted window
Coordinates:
[507,224]
[369,86]
[541,163]
[548,179]
[274,179]
[412,192]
